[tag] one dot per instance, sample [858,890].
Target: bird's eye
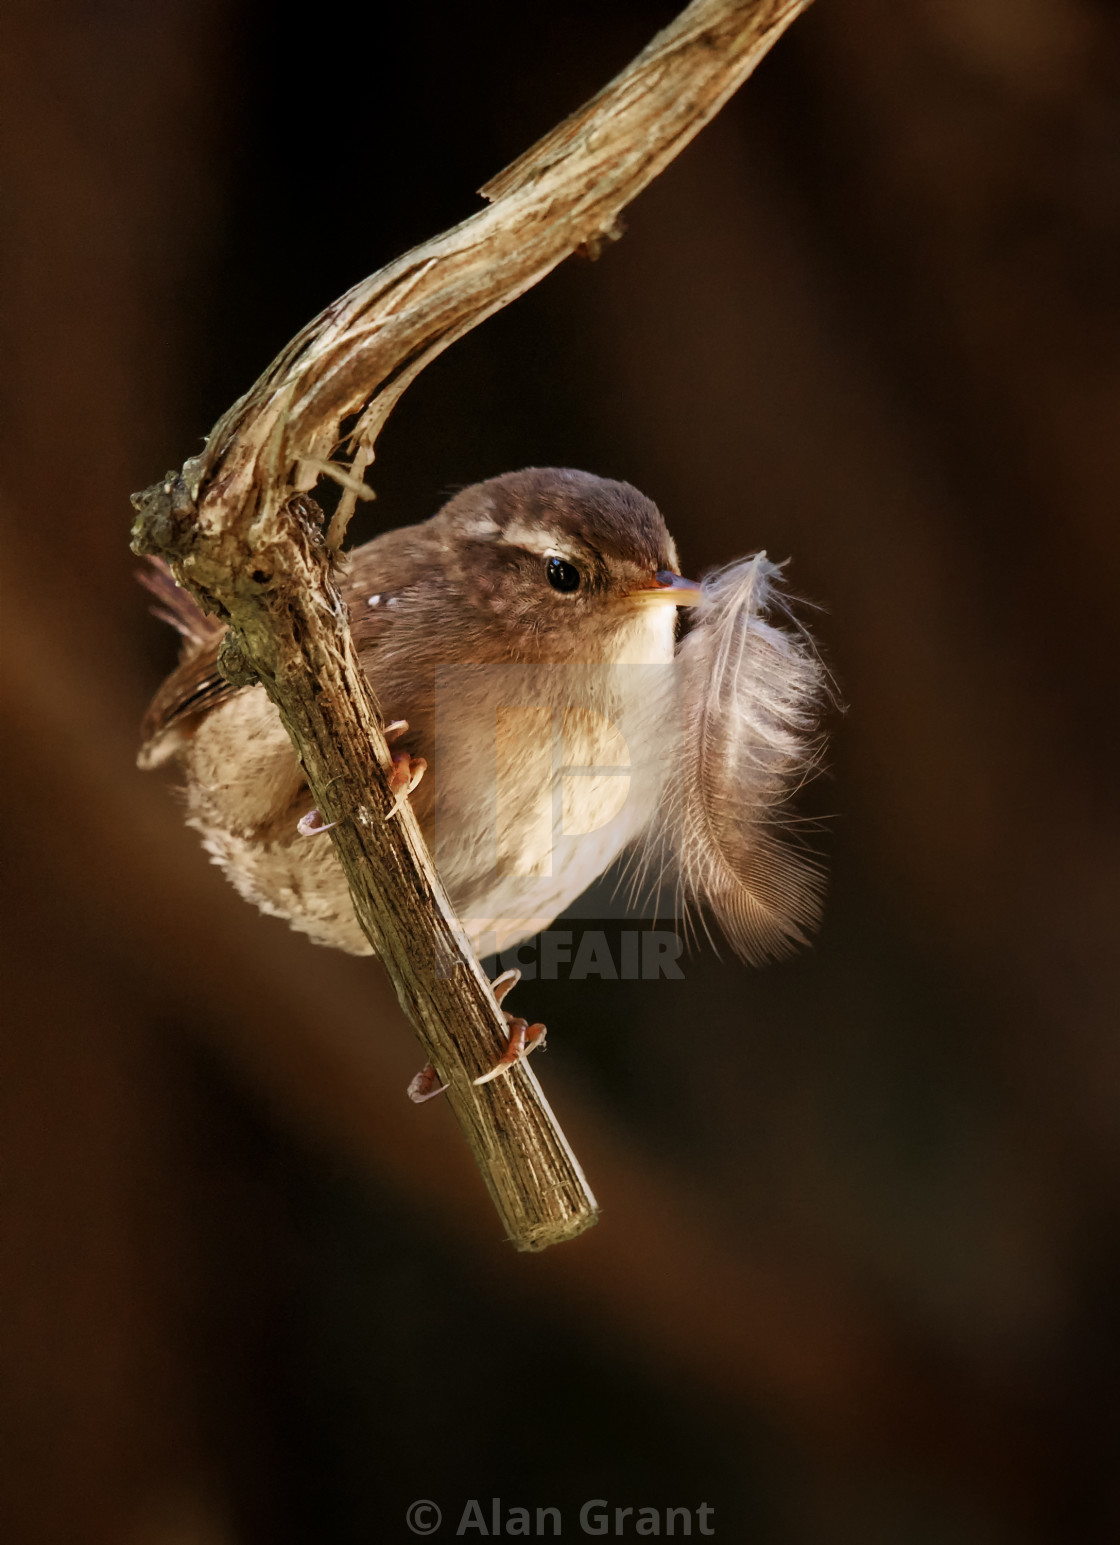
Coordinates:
[561,575]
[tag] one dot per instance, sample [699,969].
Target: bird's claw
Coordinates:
[425,1086]
[405,773]
[504,984]
[400,781]
[523,1039]
[312,824]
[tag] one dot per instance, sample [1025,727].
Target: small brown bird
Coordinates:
[544,592]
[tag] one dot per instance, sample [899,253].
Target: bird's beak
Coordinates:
[669,587]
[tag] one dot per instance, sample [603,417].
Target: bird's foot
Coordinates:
[312,825]
[425,1086]
[503,985]
[523,1038]
[404,775]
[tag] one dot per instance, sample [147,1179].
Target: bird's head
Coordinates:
[564,564]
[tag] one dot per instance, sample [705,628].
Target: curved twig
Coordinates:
[239,531]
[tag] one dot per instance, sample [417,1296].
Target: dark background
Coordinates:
[857,1271]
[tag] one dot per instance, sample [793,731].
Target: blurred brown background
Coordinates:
[857,1272]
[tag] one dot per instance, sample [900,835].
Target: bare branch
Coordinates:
[241,532]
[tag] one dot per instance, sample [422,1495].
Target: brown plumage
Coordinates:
[571,578]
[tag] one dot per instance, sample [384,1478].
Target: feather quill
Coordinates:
[750,703]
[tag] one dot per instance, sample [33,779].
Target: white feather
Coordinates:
[750,698]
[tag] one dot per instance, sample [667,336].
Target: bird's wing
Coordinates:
[749,699]
[195,685]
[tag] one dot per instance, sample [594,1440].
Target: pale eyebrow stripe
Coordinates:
[546,543]
[481,527]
